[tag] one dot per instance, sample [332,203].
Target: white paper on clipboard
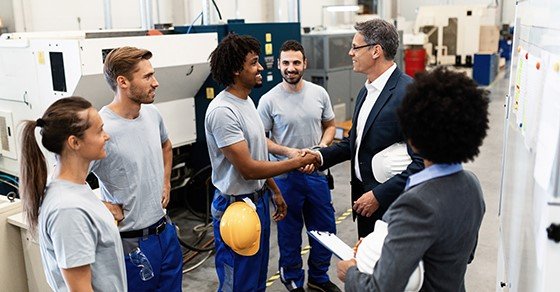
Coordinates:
[333,243]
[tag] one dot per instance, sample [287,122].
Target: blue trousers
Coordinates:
[309,201]
[164,253]
[237,272]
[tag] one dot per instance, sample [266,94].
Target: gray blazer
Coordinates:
[437,221]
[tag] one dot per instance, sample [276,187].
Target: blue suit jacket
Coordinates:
[381,130]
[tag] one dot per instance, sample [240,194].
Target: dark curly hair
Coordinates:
[229,56]
[445,116]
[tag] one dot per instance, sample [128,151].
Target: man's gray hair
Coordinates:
[381,32]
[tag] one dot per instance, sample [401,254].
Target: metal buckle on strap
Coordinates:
[161,227]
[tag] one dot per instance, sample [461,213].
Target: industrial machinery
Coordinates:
[452,34]
[39,68]
[329,65]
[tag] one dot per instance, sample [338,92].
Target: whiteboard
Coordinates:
[529,199]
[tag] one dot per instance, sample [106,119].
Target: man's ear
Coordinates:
[122,82]
[377,52]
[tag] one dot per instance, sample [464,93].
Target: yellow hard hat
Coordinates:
[240,228]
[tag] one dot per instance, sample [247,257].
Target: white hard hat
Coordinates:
[390,161]
[369,252]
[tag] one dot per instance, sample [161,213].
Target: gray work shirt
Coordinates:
[295,119]
[230,120]
[132,172]
[76,229]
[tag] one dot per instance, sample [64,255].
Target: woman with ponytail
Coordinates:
[80,244]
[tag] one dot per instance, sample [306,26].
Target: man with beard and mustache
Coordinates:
[298,114]
[240,168]
[134,178]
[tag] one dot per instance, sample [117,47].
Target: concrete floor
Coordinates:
[481,274]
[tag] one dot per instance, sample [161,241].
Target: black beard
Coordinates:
[258,85]
[289,81]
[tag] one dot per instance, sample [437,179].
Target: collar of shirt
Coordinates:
[434,171]
[379,83]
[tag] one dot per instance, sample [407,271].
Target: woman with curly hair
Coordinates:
[444,118]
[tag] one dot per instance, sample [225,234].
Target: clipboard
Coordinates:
[333,243]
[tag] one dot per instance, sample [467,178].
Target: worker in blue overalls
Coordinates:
[298,114]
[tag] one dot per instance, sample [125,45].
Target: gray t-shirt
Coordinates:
[295,119]
[132,172]
[76,229]
[230,120]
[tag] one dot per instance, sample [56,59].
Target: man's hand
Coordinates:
[366,204]
[342,267]
[309,168]
[293,152]
[165,195]
[116,210]
[281,207]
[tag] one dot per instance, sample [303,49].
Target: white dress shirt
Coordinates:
[374,89]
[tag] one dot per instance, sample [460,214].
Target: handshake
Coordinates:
[308,160]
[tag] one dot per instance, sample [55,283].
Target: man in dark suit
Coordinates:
[374,124]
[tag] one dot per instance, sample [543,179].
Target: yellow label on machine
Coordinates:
[41,58]
[209,92]
[268,49]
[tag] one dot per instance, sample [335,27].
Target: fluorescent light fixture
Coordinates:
[342,8]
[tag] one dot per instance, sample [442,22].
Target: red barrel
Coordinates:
[414,61]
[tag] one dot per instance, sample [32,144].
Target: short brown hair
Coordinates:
[122,62]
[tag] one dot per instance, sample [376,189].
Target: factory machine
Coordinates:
[329,65]
[39,68]
[452,34]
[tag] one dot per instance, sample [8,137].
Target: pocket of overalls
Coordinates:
[129,244]
[218,207]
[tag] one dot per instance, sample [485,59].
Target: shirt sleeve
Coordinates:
[224,126]
[328,113]
[163,134]
[412,230]
[74,237]
[264,110]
